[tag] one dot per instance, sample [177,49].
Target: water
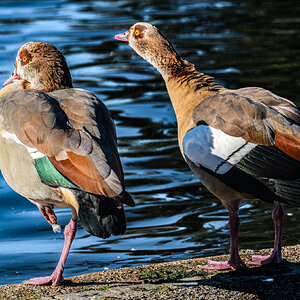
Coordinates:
[241,43]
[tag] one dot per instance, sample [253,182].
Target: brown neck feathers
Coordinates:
[56,76]
[186,74]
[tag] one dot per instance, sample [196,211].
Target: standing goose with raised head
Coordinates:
[58,147]
[242,144]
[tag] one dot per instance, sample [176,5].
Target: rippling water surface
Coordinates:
[240,43]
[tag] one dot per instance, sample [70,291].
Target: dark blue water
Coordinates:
[241,43]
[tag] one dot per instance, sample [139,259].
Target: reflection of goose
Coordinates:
[58,148]
[242,144]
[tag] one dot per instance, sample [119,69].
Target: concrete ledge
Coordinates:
[177,280]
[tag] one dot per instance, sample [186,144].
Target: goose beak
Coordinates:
[11,79]
[122,36]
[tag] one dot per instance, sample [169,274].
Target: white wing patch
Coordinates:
[34,153]
[213,149]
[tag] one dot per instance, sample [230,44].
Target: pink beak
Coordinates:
[122,36]
[11,79]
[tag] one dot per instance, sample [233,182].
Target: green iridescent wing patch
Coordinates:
[49,174]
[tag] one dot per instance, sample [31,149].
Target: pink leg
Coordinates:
[234,262]
[275,256]
[57,278]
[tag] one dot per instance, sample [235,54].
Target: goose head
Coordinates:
[153,46]
[39,66]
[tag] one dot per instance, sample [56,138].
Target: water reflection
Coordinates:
[242,44]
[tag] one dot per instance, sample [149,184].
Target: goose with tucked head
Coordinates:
[242,144]
[58,147]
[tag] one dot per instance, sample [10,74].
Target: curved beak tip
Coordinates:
[122,36]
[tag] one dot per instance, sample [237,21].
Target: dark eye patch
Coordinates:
[25,56]
[140,29]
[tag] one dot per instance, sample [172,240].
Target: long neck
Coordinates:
[187,88]
[185,85]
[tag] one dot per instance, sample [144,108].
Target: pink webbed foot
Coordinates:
[57,278]
[235,262]
[224,265]
[262,260]
[54,280]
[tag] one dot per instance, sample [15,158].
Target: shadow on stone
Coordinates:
[280,281]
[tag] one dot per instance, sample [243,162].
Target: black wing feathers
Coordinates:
[101,216]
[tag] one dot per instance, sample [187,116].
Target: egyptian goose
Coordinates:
[242,144]
[58,147]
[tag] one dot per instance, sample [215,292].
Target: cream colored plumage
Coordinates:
[58,148]
[242,144]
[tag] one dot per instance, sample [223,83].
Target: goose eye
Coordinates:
[24,58]
[137,32]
